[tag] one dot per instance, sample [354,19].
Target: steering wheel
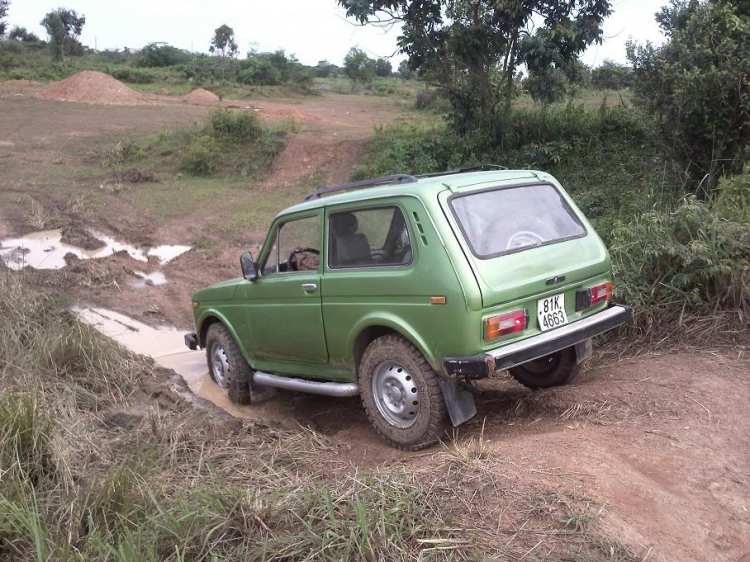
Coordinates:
[523,238]
[294,264]
[517,231]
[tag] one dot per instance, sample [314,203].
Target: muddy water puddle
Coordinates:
[166,346]
[46,250]
[145,279]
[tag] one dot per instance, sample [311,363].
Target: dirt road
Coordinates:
[652,452]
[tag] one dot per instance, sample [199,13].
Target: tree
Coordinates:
[24,35]
[383,68]
[64,27]
[223,42]
[546,86]
[359,67]
[323,69]
[472,48]
[404,71]
[611,76]
[72,22]
[55,29]
[697,86]
[3,12]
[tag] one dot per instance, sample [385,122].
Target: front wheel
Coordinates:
[401,394]
[551,370]
[226,365]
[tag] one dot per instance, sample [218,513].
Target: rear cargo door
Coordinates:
[523,241]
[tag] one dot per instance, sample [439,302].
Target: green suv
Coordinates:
[405,290]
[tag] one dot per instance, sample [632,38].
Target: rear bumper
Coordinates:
[191,340]
[480,366]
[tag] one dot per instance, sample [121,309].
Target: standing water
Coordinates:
[46,250]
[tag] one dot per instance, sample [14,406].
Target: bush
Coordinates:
[274,69]
[201,158]
[611,76]
[733,196]
[122,152]
[133,75]
[260,72]
[673,266]
[425,99]
[156,55]
[547,86]
[526,138]
[234,126]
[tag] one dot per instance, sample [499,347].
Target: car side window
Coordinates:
[368,237]
[296,247]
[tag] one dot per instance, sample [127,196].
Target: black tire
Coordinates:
[551,370]
[237,373]
[430,419]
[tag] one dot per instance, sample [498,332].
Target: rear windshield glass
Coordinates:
[515,218]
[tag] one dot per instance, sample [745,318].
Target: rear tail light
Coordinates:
[601,293]
[509,323]
[586,298]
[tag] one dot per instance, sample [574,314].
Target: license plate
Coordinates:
[551,312]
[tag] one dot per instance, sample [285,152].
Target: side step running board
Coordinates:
[336,389]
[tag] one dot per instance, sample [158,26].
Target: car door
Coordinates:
[370,261]
[284,303]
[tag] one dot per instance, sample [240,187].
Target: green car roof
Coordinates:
[423,188]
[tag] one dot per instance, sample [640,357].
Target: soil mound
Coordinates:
[81,238]
[201,96]
[90,86]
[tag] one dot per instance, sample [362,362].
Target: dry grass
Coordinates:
[38,215]
[589,410]
[135,175]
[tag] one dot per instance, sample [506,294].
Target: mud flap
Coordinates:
[584,350]
[460,402]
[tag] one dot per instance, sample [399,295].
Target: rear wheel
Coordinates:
[401,394]
[551,370]
[226,365]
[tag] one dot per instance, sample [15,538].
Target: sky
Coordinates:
[313,30]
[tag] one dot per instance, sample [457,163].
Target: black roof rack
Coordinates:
[478,168]
[383,180]
[397,179]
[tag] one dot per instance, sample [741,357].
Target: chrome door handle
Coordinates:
[309,287]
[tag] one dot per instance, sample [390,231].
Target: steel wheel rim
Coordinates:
[396,394]
[219,365]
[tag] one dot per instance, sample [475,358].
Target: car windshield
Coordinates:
[505,220]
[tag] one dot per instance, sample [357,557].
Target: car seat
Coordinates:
[349,247]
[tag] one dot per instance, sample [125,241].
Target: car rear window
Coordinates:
[511,219]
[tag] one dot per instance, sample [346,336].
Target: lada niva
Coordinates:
[406,290]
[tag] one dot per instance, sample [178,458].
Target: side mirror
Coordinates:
[249,269]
